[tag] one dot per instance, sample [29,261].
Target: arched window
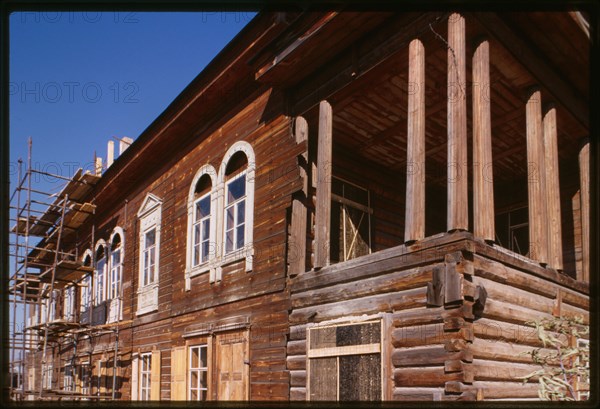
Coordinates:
[237,179]
[86,289]
[100,273]
[149,215]
[116,263]
[201,223]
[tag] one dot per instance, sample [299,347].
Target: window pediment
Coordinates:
[150,203]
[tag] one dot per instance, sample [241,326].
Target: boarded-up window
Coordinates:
[350,221]
[345,362]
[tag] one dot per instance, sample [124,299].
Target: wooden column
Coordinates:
[414,225]
[458,211]
[323,199]
[536,186]
[483,182]
[555,256]
[584,197]
[297,248]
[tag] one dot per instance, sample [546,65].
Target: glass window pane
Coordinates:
[203,357]
[194,379]
[229,241]
[204,207]
[236,189]
[194,358]
[241,212]
[202,379]
[240,237]
[205,229]
[230,213]
[205,249]
[193,394]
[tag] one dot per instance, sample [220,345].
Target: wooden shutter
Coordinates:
[178,373]
[135,368]
[155,376]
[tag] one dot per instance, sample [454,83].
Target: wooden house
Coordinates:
[343,206]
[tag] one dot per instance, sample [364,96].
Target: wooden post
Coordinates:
[555,256]
[297,255]
[414,226]
[483,182]
[458,211]
[536,186]
[584,197]
[323,200]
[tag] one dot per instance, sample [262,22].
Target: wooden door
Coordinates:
[231,369]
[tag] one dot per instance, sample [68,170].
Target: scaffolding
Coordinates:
[43,247]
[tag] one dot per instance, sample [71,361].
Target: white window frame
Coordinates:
[247,252]
[99,293]
[68,378]
[115,275]
[145,362]
[235,204]
[192,270]
[47,370]
[150,218]
[85,295]
[200,224]
[69,303]
[201,390]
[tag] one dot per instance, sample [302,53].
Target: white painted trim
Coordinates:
[191,271]
[150,217]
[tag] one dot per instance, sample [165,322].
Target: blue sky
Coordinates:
[79,78]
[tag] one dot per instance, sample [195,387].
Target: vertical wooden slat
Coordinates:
[323,199]
[135,367]
[584,182]
[536,186]
[555,256]
[298,229]
[178,373]
[458,211]
[155,376]
[483,182]
[414,226]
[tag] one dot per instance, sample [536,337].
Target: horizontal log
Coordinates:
[501,390]
[417,394]
[427,251]
[298,378]
[297,362]
[485,370]
[296,347]
[428,334]
[377,303]
[390,282]
[434,376]
[297,393]
[507,312]
[269,391]
[298,332]
[497,330]
[512,295]
[533,269]
[429,315]
[495,350]
[435,355]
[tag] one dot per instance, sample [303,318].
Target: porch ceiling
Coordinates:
[370,114]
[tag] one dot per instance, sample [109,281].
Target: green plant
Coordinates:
[563,359]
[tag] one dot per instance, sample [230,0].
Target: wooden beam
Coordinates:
[483,182]
[458,211]
[584,197]
[323,200]
[526,54]
[297,246]
[536,186]
[555,255]
[414,226]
